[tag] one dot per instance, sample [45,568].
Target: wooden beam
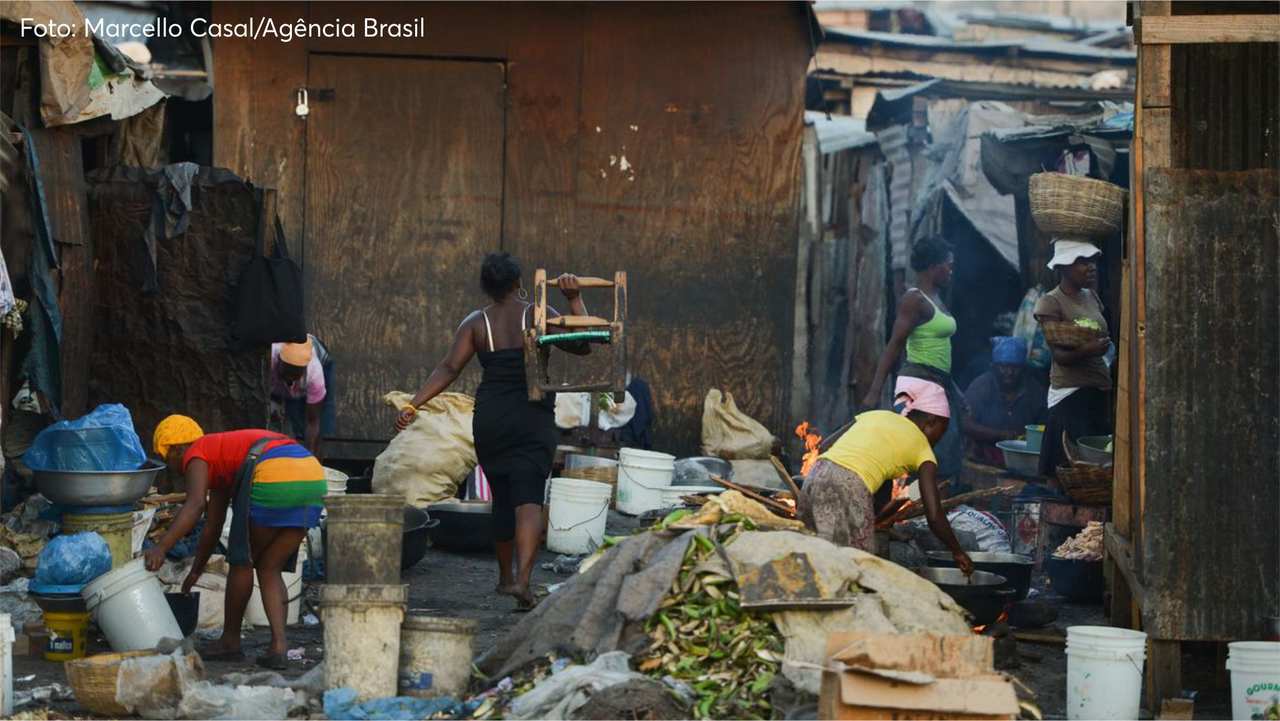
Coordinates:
[1164,671]
[1120,551]
[1204,29]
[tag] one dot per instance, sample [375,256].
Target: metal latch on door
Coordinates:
[305,96]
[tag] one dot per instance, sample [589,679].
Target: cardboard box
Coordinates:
[953,673]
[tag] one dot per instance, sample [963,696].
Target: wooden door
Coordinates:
[404,198]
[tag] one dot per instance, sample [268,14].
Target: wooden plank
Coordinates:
[578,321]
[1164,671]
[1213,278]
[1201,29]
[1121,491]
[401,206]
[1120,551]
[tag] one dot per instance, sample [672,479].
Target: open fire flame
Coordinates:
[811,441]
[1004,616]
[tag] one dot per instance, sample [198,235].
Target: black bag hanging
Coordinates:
[268,303]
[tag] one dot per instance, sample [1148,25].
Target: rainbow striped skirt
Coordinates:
[288,488]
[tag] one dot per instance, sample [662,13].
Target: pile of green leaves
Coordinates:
[702,636]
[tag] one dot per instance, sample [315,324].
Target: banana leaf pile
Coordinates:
[702,636]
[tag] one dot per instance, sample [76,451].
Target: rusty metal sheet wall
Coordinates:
[1211,549]
[168,353]
[1228,110]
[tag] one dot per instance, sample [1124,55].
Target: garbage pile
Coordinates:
[729,615]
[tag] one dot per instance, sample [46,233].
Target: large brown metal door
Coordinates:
[404,197]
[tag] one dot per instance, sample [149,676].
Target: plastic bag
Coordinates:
[729,433]
[103,440]
[72,560]
[152,686]
[204,700]
[988,532]
[340,704]
[426,461]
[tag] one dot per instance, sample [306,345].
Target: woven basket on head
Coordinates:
[1075,206]
[93,680]
[1068,335]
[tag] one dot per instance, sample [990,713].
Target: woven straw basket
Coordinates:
[1068,335]
[93,680]
[1087,483]
[1075,206]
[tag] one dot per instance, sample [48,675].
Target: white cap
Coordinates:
[1066,252]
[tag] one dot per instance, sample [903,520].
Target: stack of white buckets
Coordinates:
[1104,674]
[577,510]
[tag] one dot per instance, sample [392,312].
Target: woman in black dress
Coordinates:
[515,438]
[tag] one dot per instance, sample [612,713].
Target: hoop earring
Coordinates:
[522,294]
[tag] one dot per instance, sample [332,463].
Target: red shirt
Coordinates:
[225,453]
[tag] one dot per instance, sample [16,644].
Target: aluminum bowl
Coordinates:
[697,470]
[1018,459]
[1092,449]
[97,488]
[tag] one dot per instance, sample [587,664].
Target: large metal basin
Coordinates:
[1093,449]
[97,488]
[983,594]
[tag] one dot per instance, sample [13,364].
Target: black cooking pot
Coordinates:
[1015,568]
[1077,581]
[981,594]
[464,525]
[417,536]
[186,610]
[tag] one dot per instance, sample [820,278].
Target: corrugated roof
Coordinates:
[1040,47]
[838,132]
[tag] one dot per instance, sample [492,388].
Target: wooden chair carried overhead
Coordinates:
[576,328]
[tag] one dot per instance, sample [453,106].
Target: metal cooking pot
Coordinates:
[981,594]
[463,525]
[1014,567]
[697,470]
[97,488]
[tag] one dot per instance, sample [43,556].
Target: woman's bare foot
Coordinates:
[222,650]
[524,598]
[505,589]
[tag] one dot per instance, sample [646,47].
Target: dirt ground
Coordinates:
[462,585]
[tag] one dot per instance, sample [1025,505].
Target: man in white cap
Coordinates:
[1079,379]
[300,391]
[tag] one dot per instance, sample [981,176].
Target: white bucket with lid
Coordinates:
[1104,672]
[576,515]
[1255,678]
[335,481]
[641,477]
[256,615]
[128,604]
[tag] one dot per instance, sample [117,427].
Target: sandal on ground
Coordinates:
[273,661]
[216,653]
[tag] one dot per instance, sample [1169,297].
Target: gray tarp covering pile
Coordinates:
[603,609]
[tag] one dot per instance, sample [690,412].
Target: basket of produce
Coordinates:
[1075,568]
[1075,206]
[1071,334]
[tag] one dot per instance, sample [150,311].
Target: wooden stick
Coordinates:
[584,282]
[781,509]
[786,477]
[916,509]
[1034,637]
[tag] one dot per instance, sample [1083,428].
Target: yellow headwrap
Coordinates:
[175,431]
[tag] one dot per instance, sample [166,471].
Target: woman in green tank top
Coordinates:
[923,328]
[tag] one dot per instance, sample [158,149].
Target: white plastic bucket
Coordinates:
[435,655]
[1104,672]
[641,477]
[256,615]
[6,666]
[129,606]
[671,496]
[1255,677]
[362,637]
[335,481]
[576,515]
